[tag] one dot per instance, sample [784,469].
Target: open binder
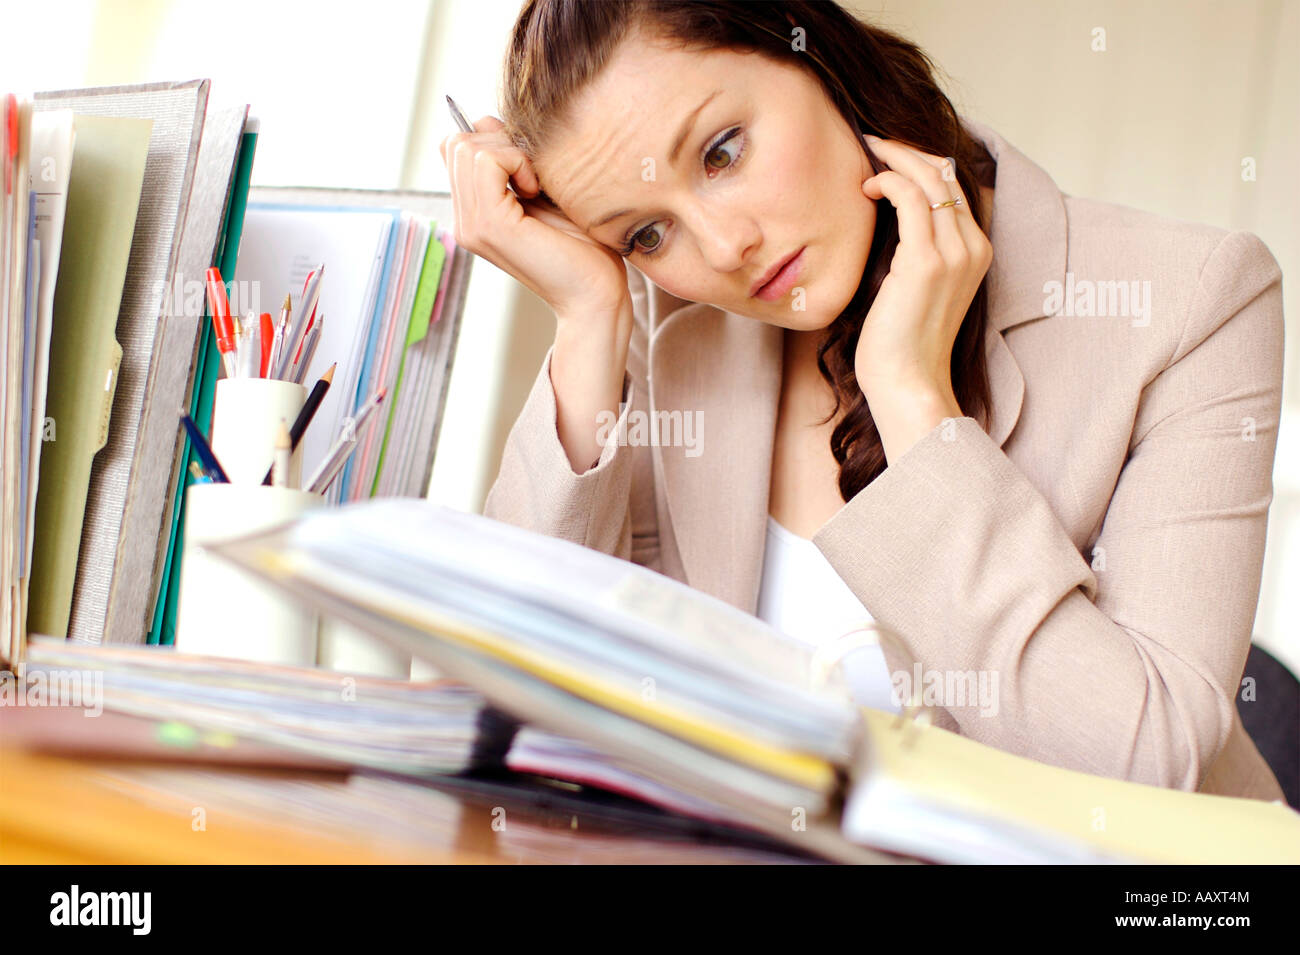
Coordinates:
[570,641]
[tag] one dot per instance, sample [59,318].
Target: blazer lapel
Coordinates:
[1029,232]
[726,369]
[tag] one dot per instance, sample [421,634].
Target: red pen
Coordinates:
[222,324]
[11,154]
[268,334]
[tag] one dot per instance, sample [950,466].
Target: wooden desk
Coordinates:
[65,809]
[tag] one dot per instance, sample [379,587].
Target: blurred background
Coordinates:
[352,95]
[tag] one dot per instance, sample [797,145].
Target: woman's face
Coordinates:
[717,167]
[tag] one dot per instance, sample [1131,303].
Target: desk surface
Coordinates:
[66,809]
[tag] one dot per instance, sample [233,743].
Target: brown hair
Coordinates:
[879,82]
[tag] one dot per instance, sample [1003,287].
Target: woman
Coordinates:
[1031,434]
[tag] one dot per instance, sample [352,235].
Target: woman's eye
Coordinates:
[724,152]
[647,240]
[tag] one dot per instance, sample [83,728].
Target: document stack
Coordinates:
[712,711]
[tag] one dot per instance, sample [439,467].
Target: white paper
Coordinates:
[279,247]
[53,138]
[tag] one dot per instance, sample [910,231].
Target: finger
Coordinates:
[915,166]
[462,179]
[936,176]
[914,219]
[960,216]
[511,156]
[491,181]
[517,165]
[520,170]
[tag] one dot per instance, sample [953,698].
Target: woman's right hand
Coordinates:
[527,237]
[583,281]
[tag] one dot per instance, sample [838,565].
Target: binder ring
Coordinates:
[871,633]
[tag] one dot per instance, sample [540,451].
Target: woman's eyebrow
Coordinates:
[687,125]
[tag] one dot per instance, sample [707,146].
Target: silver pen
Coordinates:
[309,349]
[298,323]
[349,436]
[459,117]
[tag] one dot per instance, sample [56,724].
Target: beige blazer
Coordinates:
[1097,544]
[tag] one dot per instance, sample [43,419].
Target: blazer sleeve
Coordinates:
[1125,666]
[610,507]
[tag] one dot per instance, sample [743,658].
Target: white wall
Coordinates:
[506,329]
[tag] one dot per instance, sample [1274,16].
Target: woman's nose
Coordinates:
[724,237]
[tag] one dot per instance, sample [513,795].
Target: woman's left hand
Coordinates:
[904,351]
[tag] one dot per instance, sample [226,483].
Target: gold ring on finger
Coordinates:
[944,205]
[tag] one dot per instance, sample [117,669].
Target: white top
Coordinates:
[802,596]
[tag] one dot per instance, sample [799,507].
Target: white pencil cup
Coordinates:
[348,649]
[225,611]
[245,419]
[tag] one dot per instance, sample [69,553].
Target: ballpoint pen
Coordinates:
[300,324]
[204,450]
[458,117]
[265,341]
[222,325]
[465,127]
[241,346]
[250,349]
[349,435]
[281,330]
[309,349]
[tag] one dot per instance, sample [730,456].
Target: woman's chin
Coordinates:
[788,317]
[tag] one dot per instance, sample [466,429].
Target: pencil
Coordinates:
[308,412]
[280,463]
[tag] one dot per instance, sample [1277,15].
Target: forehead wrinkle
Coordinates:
[586,179]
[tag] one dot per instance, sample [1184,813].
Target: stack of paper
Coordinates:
[689,692]
[395,725]
[391,296]
[685,700]
[20,267]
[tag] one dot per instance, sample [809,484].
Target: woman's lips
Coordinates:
[781,283]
